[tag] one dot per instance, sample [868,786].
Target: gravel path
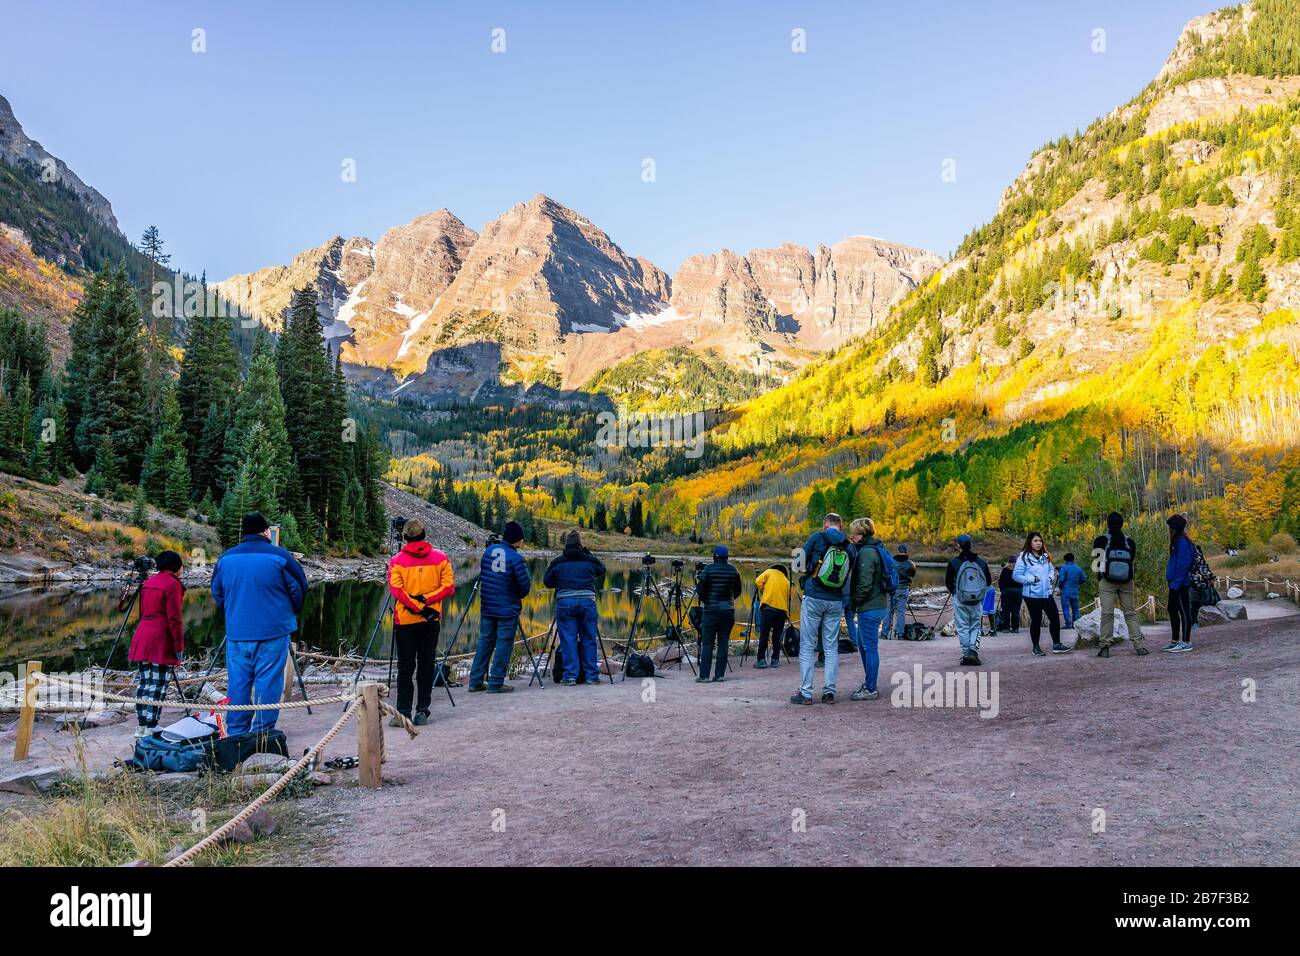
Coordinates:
[1185,771]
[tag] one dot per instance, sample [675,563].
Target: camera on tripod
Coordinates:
[647,559]
[493,538]
[678,564]
[142,565]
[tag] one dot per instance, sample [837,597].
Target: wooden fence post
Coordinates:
[1151,606]
[370,738]
[27,712]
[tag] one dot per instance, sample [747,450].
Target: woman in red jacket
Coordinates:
[159,638]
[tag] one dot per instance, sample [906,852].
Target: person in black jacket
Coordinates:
[573,576]
[1012,594]
[717,586]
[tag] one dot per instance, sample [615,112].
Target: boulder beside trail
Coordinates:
[1210,615]
[1233,611]
[1087,629]
[1235,592]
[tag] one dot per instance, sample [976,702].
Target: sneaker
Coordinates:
[1171,645]
[975,660]
[421,718]
[718,680]
[863,694]
[775,662]
[1182,648]
[1039,652]
[701,679]
[761,665]
[1141,650]
[800,699]
[966,661]
[828,697]
[1104,652]
[475,688]
[820,664]
[503,689]
[568,682]
[1059,648]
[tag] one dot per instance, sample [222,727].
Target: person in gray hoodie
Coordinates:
[827,563]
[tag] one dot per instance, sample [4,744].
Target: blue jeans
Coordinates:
[819,621]
[576,619]
[868,631]
[496,637]
[255,675]
[897,616]
[1070,608]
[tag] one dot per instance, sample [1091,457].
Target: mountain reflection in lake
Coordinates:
[72,629]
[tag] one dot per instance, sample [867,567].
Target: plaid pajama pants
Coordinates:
[151,685]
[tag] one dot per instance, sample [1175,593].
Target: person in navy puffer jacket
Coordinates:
[1069,579]
[503,583]
[260,587]
[573,575]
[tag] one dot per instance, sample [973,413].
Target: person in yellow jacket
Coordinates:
[420,579]
[773,587]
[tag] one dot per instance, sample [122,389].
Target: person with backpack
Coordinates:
[896,618]
[828,563]
[1011,595]
[874,579]
[503,583]
[1178,575]
[159,638]
[1114,556]
[260,588]
[1069,579]
[717,586]
[573,576]
[420,579]
[1036,574]
[967,580]
[773,587]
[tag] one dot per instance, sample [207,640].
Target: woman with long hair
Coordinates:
[1036,574]
[1178,575]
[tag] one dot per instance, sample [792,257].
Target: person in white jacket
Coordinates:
[1036,573]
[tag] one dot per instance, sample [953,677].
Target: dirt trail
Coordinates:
[1186,772]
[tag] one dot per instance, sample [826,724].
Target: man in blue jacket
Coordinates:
[261,589]
[827,562]
[503,583]
[573,576]
[1070,578]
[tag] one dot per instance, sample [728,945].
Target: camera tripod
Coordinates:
[749,628]
[674,627]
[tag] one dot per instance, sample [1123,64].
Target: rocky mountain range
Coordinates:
[544,295]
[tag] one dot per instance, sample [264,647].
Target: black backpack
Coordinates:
[790,641]
[167,756]
[638,666]
[233,750]
[1118,558]
[557,672]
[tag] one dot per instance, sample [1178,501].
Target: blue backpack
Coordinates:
[166,756]
[889,576]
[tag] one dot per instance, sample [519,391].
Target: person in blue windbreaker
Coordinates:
[1069,579]
[1178,575]
[260,587]
[503,583]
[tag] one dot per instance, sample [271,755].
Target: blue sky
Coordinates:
[236,153]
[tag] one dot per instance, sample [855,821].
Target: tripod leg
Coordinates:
[519,629]
[441,669]
[379,622]
[631,634]
[179,690]
[600,642]
[302,685]
[552,638]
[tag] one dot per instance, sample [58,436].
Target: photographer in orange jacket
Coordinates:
[420,579]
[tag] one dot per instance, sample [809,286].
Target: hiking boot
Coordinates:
[828,697]
[1059,648]
[761,665]
[966,661]
[569,682]
[396,721]
[800,699]
[975,660]
[1182,648]
[421,718]
[1171,645]
[475,688]
[502,689]
[1039,652]
[1104,652]
[863,694]
[1141,650]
